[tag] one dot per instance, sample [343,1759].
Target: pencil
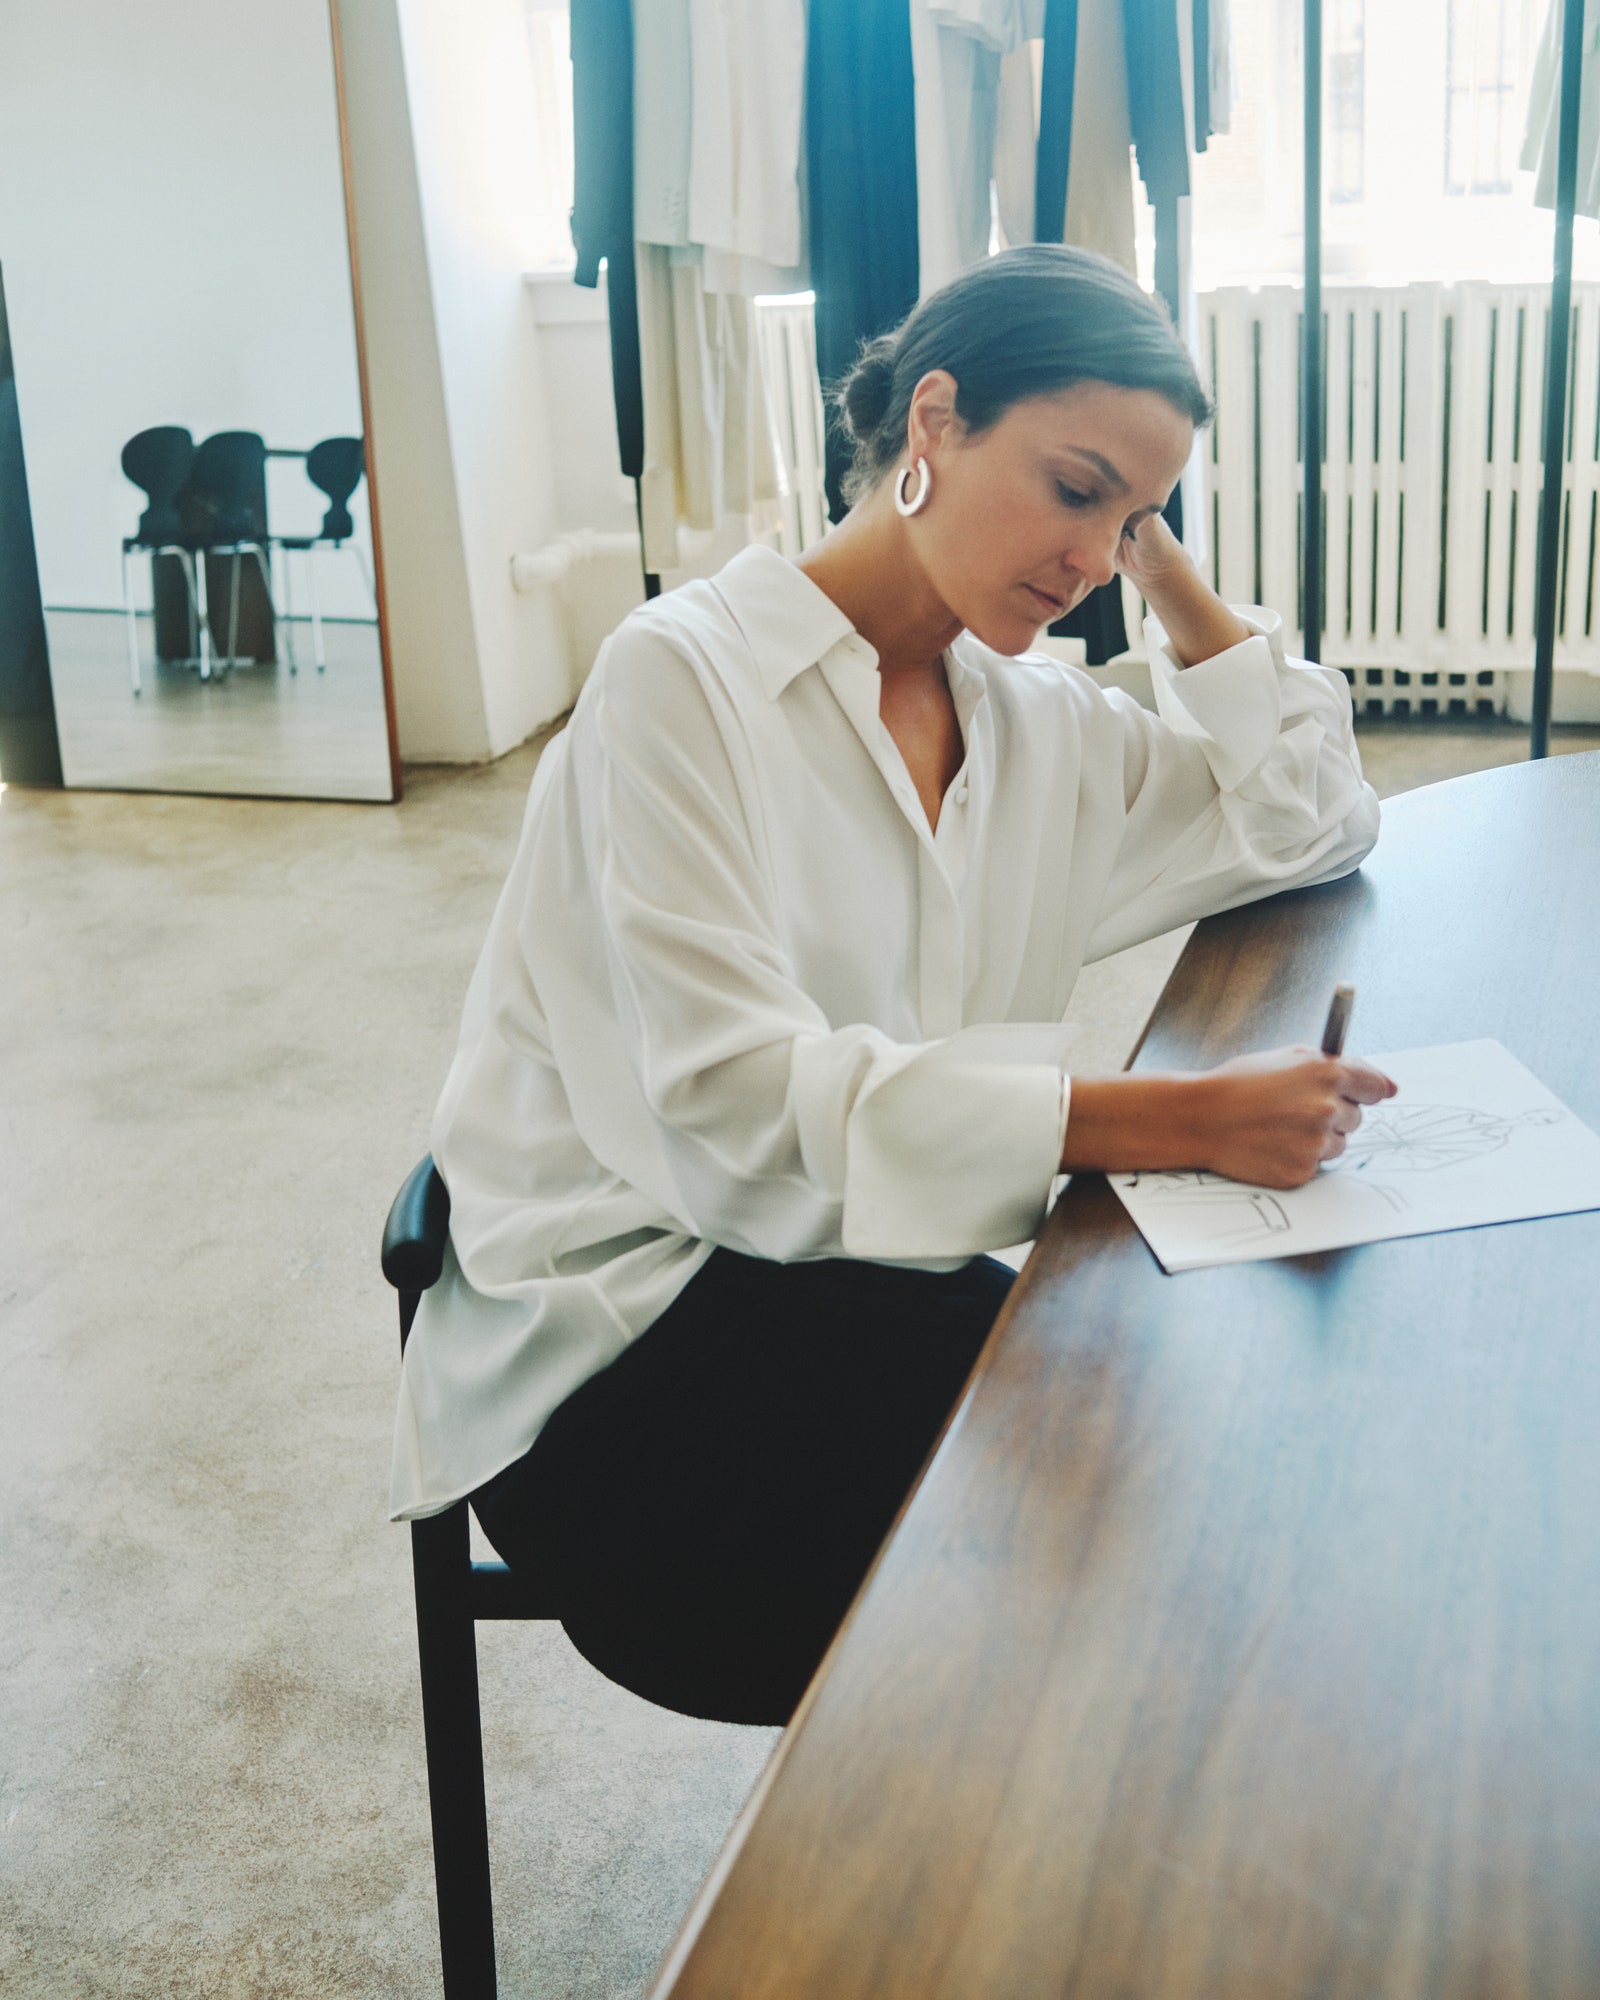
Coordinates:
[1344,998]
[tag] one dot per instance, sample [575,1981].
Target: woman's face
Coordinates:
[1025,518]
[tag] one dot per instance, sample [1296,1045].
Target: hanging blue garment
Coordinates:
[1155,109]
[1155,97]
[602,201]
[861,169]
[1200,42]
[1058,80]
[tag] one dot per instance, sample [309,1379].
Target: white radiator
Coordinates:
[1434,434]
[1433,453]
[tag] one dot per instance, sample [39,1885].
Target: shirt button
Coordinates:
[961,795]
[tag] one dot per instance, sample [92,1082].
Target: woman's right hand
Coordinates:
[1271,1119]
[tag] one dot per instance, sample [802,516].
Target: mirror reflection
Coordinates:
[177,273]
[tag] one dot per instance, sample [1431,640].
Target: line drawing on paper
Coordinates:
[1423,1138]
[1473,1139]
[1227,1212]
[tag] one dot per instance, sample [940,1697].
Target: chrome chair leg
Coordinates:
[365,568]
[288,609]
[316,616]
[191,589]
[232,660]
[263,558]
[202,599]
[133,628]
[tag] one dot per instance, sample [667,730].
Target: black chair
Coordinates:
[453,1592]
[335,467]
[224,501]
[159,462]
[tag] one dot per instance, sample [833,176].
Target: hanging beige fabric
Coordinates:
[1100,176]
[707,434]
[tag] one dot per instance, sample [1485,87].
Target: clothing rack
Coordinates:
[1314,366]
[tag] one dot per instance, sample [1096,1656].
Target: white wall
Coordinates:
[471,99]
[440,108]
[433,653]
[172,236]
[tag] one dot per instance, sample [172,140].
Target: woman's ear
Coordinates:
[932,417]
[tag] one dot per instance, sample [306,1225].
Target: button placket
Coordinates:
[941,948]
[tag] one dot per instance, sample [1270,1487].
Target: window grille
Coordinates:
[1481,128]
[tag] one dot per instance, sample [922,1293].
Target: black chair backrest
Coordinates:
[336,466]
[228,486]
[159,461]
[414,1237]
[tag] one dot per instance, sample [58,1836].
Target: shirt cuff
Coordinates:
[1230,705]
[952,1158]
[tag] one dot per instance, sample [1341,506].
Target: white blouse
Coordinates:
[737,992]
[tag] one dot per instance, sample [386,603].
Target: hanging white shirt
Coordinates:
[748,62]
[956,49]
[663,117]
[737,991]
[1542,131]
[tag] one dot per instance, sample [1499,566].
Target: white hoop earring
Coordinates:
[925,481]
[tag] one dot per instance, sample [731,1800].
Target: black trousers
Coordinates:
[708,1505]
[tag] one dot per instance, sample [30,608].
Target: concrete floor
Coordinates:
[222,1024]
[258,730]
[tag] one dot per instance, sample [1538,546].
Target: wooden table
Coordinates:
[1243,1636]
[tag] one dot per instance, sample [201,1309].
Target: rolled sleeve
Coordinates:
[1230,705]
[951,1154]
[1247,780]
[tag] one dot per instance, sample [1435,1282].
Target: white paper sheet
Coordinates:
[1472,1138]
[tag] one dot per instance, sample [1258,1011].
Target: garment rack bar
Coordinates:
[1557,361]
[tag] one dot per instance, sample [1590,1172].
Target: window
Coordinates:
[1346,57]
[549,48]
[1481,133]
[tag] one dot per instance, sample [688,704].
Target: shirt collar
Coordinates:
[787,621]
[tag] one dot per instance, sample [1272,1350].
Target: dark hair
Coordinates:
[1025,323]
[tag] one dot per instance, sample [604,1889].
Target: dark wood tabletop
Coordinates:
[1243,1636]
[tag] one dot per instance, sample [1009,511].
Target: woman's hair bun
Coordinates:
[864,394]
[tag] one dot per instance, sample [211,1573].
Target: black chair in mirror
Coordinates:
[228,489]
[158,461]
[453,1592]
[205,502]
[335,467]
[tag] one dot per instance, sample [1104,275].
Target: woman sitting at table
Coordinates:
[765,1047]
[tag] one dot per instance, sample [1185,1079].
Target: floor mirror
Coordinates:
[181,298]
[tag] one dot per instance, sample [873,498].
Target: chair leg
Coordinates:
[133,628]
[186,562]
[452,1728]
[263,558]
[316,615]
[233,613]
[288,610]
[366,574]
[202,598]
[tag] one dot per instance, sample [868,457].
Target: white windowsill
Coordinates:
[559,301]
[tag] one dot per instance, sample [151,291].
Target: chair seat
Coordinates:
[497,1592]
